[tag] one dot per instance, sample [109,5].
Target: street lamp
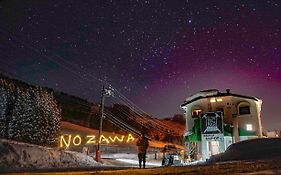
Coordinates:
[105,93]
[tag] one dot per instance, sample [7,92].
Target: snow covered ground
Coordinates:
[135,162]
[129,160]
[16,155]
[255,149]
[130,163]
[261,156]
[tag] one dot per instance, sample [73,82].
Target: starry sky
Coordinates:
[155,52]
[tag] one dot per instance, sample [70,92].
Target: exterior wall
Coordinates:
[230,106]
[199,104]
[228,140]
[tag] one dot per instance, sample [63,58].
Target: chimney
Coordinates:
[228,91]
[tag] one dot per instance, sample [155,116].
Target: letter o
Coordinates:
[78,138]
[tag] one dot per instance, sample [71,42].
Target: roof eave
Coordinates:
[220,95]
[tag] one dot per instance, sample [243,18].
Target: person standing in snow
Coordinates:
[142,144]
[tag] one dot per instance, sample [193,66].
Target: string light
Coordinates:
[91,139]
[77,137]
[68,140]
[130,137]
[103,139]
[113,140]
[62,141]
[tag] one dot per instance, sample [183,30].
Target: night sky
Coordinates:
[156,53]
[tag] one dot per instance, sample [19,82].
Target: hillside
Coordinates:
[73,128]
[119,118]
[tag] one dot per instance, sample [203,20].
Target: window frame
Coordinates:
[242,108]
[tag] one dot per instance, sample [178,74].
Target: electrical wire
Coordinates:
[125,100]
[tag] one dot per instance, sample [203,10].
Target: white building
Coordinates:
[241,118]
[272,134]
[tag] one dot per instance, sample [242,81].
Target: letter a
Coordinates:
[130,137]
[103,139]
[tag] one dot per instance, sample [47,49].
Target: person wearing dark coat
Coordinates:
[142,144]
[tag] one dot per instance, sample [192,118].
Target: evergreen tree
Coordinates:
[45,116]
[3,109]
[32,116]
[8,92]
[18,128]
[38,125]
[55,126]
[52,113]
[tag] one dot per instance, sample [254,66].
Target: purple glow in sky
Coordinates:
[156,53]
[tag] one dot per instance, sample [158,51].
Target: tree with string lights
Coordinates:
[46,116]
[3,109]
[29,115]
[19,124]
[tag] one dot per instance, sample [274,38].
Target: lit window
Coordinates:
[249,127]
[196,112]
[213,100]
[219,99]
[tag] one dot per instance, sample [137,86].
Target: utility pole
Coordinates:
[104,93]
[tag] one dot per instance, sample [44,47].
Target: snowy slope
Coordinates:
[255,149]
[14,155]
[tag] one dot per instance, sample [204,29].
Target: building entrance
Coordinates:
[213,148]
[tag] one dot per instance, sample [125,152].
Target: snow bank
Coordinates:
[16,155]
[255,149]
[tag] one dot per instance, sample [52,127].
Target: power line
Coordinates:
[65,67]
[143,121]
[122,124]
[128,102]
[148,120]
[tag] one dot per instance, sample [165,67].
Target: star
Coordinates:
[146,49]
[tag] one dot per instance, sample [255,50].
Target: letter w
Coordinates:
[117,138]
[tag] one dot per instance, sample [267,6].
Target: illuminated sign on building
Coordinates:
[212,123]
[76,140]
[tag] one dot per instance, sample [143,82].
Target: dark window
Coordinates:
[244,110]
[221,110]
